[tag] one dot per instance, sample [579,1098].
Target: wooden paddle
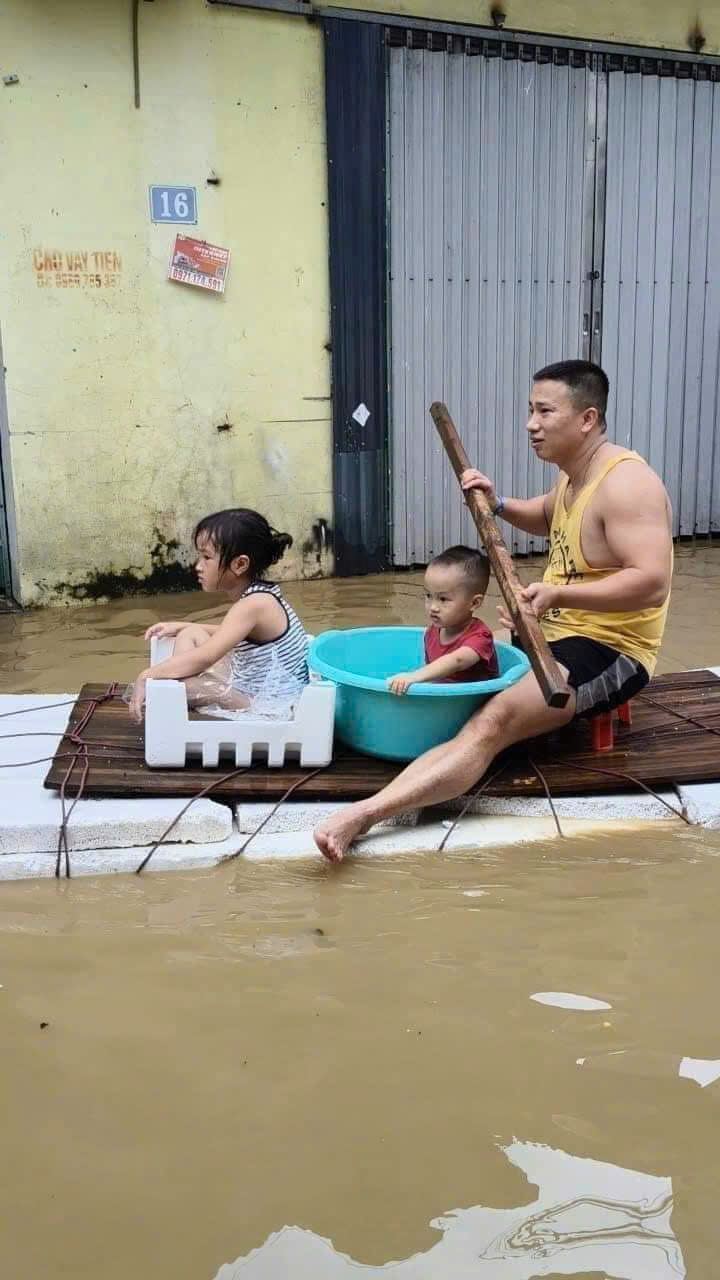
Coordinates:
[548,674]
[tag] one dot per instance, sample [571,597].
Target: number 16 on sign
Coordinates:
[173,204]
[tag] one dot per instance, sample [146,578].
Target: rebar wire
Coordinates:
[546,789]
[55,733]
[235,773]
[70,755]
[81,754]
[228,857]
[628,777]
[45,706]
[472,796]
[681,715]
[66,814]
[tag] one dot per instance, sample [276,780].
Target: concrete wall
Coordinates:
[116,389]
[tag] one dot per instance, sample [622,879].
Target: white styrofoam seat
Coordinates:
[172,739]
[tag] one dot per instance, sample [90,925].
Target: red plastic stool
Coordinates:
[601,727]
[624,713]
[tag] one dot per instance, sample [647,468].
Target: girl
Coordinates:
[260,630]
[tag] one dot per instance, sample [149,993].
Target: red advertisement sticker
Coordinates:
[199,263]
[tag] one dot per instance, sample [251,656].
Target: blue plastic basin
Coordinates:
[379,723]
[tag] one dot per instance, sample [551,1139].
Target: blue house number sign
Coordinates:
[173,204]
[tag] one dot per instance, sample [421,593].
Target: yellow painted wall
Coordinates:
[663,24]
[115,392]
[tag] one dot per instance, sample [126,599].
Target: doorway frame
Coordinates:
[8,535]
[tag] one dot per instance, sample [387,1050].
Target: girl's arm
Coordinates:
[449,665]
[174,628]
[238,622]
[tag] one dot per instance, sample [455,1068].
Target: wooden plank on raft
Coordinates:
[660,748]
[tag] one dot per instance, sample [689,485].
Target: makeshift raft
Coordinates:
[674,739]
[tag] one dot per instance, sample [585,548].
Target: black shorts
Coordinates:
[601,677]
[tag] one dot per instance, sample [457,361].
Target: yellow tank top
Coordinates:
[636,634]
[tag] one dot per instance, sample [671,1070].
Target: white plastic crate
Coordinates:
[173,740]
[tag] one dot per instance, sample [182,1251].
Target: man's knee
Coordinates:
[490,723]
[502,720]
[518,713]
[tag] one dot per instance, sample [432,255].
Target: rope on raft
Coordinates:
[483,787]
[235,773]
[83,756]
[628,777]
[229,857]
[478,790]
[645,697]
[546,789]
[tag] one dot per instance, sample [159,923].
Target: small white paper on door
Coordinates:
[361,414]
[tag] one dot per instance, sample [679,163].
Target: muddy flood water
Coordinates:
[297,1070]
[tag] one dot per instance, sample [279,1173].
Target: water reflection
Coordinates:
[569,1000]
[704,1071]
[588,1216]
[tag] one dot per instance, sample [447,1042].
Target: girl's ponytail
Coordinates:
[242,532]
[281,542]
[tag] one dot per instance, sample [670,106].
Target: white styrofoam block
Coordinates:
[101,862]
[41,719]
[630,804]
[161,648]
[702,800]
[15,705]
[30,819]
[169,731]
[303,816]
[471,835]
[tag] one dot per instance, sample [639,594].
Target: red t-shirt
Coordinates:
[476,636]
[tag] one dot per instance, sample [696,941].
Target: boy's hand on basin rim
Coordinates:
[401,683]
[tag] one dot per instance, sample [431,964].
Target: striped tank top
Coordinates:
[252,662]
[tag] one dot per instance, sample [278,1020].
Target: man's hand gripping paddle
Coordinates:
[548,674]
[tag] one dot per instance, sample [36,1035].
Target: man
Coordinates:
[603,599]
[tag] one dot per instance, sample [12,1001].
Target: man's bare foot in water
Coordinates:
[335,835]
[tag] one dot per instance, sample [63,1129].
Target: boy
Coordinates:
[458,646]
